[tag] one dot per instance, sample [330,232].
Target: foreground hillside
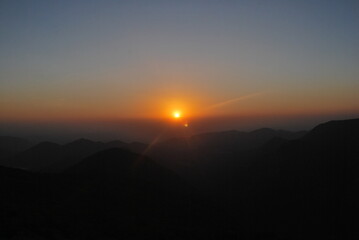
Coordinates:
[281,186]
[112,194]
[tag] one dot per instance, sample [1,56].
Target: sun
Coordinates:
[176,114]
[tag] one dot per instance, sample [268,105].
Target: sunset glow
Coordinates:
[249,63]
[179,119]
[177,114]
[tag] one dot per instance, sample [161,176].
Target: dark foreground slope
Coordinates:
[114,194]
[284,188]
[305,188]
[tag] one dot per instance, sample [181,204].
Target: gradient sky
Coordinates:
[84,59]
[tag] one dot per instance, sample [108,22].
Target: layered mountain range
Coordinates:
[264,184]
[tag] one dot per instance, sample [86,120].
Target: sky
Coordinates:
[103,61]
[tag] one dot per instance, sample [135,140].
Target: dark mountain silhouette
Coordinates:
[10,146]
[51,157]
[344,132]
[127,191]
[40,155]
[113,194]
[24,205]
[278,187]
[79,149]
[229,141]
[300,185]
[121,163]
[273,145]
[136,147]
[74,152]
[200,155]
[304,187]
[43,157]
[242,140]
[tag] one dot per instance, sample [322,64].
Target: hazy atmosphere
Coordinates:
[179,119]
[223,64]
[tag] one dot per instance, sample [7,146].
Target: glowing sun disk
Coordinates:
[176,114]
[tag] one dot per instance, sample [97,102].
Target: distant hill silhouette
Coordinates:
[36,156]
[208,151]
[342,132]
[10,146]
[51,157]
[74,152]
[264,184]
[242,140]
